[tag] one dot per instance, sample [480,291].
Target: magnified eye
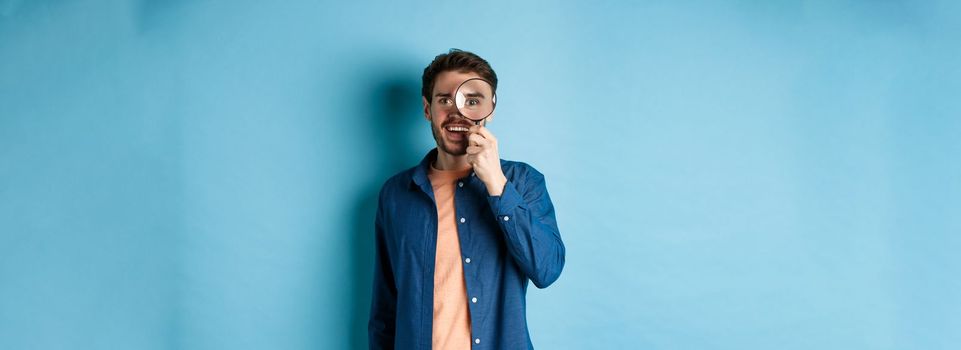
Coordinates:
[473,102]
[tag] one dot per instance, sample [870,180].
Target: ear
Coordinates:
[426,108]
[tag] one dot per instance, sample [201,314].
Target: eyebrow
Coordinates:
[441,94]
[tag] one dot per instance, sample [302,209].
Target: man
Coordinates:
[459,235]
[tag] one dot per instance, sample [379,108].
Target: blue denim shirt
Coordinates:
[505,241]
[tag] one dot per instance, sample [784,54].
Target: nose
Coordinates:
[452,111]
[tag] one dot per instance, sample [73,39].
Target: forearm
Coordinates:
[530,231]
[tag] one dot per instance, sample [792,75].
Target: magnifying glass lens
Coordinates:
[475,99]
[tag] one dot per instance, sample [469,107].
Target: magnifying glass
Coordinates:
[475,99]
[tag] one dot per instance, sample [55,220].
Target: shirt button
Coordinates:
[467,260]
[473,300]
[477,341]
[506,218]
[463,220]
[460,184]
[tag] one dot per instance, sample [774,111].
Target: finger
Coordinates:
[478,140]
[474,150]
[471,132]
[483,131]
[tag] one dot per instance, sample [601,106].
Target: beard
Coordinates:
[452,147]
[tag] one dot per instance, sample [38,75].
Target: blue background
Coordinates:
[726,175]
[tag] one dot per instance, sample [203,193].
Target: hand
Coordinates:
[482,155]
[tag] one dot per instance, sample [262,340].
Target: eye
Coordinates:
[444,101]
[472,102]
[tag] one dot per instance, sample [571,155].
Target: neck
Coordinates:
[447,161]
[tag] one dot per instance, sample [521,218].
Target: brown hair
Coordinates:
[456,60]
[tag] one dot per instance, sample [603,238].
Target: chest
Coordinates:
[412,227]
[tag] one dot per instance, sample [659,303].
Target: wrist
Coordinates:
[496,187]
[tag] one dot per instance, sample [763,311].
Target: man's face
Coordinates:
[447,125]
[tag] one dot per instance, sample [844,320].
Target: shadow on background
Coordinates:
[396,118]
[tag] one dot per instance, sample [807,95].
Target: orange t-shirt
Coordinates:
[451,314]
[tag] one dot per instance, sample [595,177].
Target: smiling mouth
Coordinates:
[456,128]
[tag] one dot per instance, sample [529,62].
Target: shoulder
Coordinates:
[397,182]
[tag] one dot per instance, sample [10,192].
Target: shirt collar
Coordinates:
[419,177]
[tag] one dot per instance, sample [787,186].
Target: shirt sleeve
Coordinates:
[383,307]
[525,214]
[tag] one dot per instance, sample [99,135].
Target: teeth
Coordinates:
[457,128]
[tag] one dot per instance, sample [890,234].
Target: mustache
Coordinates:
[455,123]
